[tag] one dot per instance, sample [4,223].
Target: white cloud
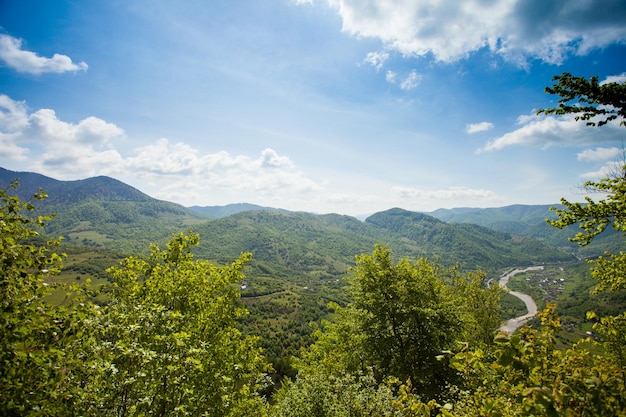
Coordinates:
[614,79]
[608,170]
[547,131]
[65,148]
[376,59]
[13,114]
[478,127]
[451,30]
[270,159]
[600,154]
[76,150]
[10,150]
[44,126]
[409,82]
[269,173]
[15,57]
[452,193]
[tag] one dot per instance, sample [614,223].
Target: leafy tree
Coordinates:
[593,217]
[599,104]
[405,316]
[42,346]
[319,395]
[595,103]
[531,376]
[480,307]
[169,342]
[402,316]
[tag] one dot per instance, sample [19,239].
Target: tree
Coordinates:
[480,306]
[169,342]
[530,375]
[591,101]
[402,316]
[598,104]
[42,346]
[406,317]
[609,102]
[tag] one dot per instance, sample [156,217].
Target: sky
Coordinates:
[325,106]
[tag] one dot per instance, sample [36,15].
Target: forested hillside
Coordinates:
[217,212]
[531,221]
[102,211]
[298,260]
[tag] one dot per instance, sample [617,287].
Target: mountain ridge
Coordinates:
[102,211]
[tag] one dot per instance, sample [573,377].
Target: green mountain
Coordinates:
[530,221]
[103,211]
[216,212]
[305,245]
[298,258]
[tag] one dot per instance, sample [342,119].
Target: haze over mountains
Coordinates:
[102,211]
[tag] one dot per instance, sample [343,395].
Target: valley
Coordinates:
[300,261]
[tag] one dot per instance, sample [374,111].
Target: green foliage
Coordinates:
[402,316]
[405,317]
[531,376]
[321,395]
[40,343]
[480,306]
[593,217]
[166,343]
[169,343]
[592,102]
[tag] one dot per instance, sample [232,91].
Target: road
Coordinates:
[513,324]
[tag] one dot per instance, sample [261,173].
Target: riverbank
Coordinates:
[515,323]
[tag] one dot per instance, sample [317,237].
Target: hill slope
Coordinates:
[530,221]
[313,246]
[102,211]
[216,212]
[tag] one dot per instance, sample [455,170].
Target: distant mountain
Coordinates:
[95,188]
[472,245]
[102,211]
[290,244]
[530,221]
[217,212]
[489,217]
[105,212]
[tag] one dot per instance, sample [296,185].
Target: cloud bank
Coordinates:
[517,30]
[548,131]
[600,154]
[177,171]
[12,54]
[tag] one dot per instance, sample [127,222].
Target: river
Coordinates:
[513,324]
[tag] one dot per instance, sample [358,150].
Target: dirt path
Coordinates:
[515,323]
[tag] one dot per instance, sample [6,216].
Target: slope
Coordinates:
[530,221]
[102,211]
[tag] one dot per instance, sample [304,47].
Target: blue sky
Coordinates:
[345,106]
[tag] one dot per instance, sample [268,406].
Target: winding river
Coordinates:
[513,324]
